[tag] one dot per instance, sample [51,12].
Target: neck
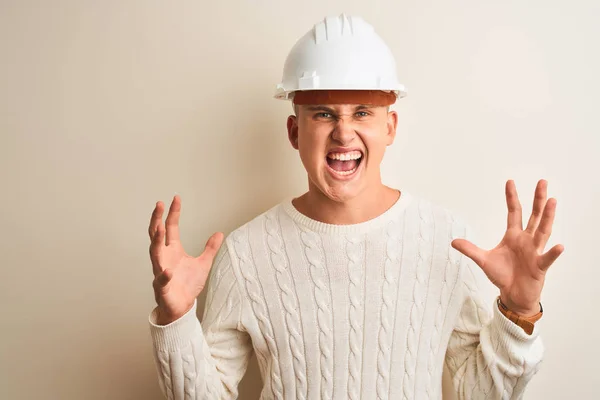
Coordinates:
[364,207]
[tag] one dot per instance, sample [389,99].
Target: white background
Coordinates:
[108,106]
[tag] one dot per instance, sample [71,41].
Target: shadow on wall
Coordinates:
[254,161]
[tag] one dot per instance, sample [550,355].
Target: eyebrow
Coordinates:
[321,108]
[365,107]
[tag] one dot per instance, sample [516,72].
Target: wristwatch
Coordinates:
[524,322]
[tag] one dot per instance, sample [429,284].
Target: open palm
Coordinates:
[178,277]
[518,264]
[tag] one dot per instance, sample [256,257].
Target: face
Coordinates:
[342,145]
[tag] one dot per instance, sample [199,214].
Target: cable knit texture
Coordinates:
[356,314]
[366,311]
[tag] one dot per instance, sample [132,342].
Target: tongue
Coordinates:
[339,165]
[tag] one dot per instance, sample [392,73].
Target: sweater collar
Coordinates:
[362,227]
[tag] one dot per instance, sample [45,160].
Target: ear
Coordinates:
[392,124]
[292,128]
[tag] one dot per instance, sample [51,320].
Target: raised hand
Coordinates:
[518,264]
[178,277]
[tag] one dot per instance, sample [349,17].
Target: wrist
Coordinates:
[163,318]
[523,311]
[166,317]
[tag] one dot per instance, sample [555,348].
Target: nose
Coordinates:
[343,132]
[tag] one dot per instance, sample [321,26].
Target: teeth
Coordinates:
[346,172]
[351,155]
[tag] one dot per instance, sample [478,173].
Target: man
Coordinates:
[353,290]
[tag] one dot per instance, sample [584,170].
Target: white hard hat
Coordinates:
[339,53]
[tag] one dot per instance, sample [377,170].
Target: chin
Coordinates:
[342,193]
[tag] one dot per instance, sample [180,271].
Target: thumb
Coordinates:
[470,250]
[163,278]
[213,244]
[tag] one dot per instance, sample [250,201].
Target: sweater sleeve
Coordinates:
[208,360]
[489,356]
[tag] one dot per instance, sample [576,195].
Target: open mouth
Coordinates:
[344,164]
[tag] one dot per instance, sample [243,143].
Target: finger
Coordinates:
[162,280]
[172,222]
[212,246]
[470,250]
[515,216]
[155,248]
[542,233]
[155,219]
[550,256]
[539,202]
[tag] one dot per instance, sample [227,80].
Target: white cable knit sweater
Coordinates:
[366,311]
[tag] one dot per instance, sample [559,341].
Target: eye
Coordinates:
[362,114]
[324,115]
